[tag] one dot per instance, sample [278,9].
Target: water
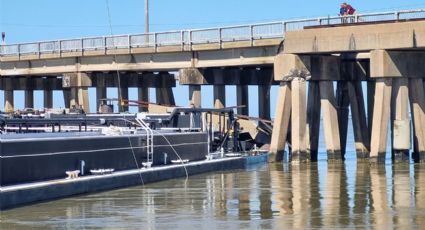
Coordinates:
[275,196]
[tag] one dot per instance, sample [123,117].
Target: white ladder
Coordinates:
[149,141]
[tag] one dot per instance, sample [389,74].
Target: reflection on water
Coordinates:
[276,196]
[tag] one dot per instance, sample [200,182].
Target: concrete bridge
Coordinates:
[383,49]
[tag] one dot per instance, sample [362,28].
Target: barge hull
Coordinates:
[19,195]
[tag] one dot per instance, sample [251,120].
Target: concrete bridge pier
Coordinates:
[313,119]
[320,72]
[101,91]
[78,84]
[299,120]
[264,101]
[219,96]
[48,98]
[28,83]
[143,95]
[400,121]
[399,77]
[48,84]
[417,107]
[242,99]
[194,78]
[123,92]
[8,95]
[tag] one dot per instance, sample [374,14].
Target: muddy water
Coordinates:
[275,196]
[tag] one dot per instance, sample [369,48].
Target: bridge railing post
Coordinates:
[190,40]
[251,30]
[155,42]
[182,39]
[220,37]
[129,43]
[104,44]
[38,50]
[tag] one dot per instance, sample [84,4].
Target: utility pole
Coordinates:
[146,16]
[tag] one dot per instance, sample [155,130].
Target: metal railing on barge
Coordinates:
[186,39]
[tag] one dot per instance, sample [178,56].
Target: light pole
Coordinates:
[146,16]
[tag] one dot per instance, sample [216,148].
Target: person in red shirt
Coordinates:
[347,10]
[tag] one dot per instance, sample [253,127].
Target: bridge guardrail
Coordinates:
[188,38]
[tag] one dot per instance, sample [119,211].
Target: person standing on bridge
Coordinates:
[347,10]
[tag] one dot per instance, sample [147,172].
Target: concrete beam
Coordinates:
[381,116]
[288,66]
[355,38]
[137,59]
[281,122]
[76,80]
[397,64]
[192,76]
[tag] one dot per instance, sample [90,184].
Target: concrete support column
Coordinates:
[371,84]
[83,98]
[330,120]
[400,121]
[67,97]
[219,96]
[343,102]
[73,98]
[143,96]
[242,99]
[48,98]
[78,84]
[101,91]
[165,96]
[299,120]
[264,101]
[8,101]
[381,116]
[123,104]
[29,98]
[358,114]
[169,96]
[281,122]
[417,103]
[313,119]
[195,95]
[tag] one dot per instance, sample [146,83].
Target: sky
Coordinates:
[34,20]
